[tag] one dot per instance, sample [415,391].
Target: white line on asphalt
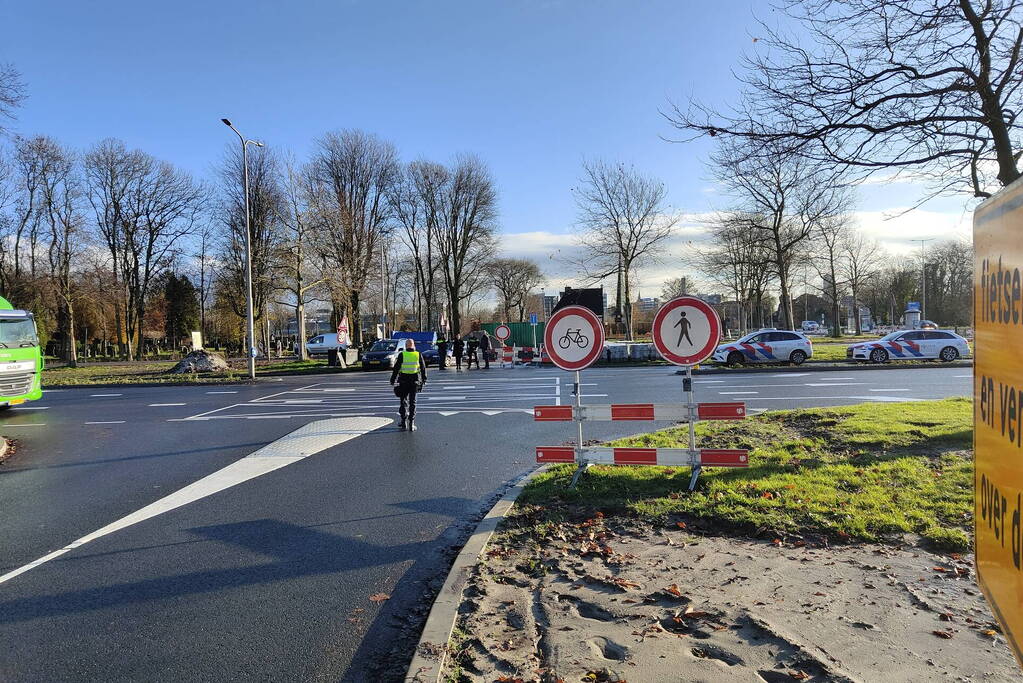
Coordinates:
[448,413]
[221,392]
[442,398]
[833,384]
[301,443]
[889,390]
[30,424]
[835,379]
[557,391]
[710,381]
[98,395]
[791,374]
[738,392]
[886,399]
[161,405]
[32,408]
[107,422]
[959,376]
[460,387]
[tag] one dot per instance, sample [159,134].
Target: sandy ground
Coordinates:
[596,602]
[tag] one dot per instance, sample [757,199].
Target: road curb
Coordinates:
[4,446]
[431,652]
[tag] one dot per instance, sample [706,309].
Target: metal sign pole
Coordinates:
[690,398]
[580,462]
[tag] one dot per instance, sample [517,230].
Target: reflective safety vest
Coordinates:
[409,362]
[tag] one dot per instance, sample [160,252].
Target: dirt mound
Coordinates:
[199,361]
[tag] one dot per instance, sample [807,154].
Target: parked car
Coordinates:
[383,354]
[766,346]
[431,354]
[321,344]
[911,345]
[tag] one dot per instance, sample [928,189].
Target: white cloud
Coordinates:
[895,229]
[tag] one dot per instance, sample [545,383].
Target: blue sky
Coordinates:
[533,87]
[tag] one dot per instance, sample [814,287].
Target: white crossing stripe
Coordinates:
[99,395]
[162,405]
[107,422]
[299,444]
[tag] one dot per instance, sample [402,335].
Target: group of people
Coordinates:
[409,375]
[468,348]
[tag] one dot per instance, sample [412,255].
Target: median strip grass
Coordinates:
[871,472]
[155,372]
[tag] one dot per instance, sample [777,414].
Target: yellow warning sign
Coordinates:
[998,406]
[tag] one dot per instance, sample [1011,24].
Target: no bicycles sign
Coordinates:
[574,338]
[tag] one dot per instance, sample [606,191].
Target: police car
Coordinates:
[766,346]
[911,345]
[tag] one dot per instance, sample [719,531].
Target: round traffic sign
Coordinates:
[502,332]
[574,337]
[686,330]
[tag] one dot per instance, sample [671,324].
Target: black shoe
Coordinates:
[412,426]
[402,426]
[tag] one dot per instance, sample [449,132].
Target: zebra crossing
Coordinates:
[372,395]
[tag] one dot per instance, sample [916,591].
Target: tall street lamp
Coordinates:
[250,327]
[923,274]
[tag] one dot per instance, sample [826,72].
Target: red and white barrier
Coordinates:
[507,356]
[678,412]
[677,457]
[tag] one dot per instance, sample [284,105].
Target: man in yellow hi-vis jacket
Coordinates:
[410,373]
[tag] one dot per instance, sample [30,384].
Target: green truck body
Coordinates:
[21,360]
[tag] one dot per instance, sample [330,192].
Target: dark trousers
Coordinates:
[407,394]
[458,362]
[486,359]
[474,357]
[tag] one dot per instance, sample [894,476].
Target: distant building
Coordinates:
[646,303]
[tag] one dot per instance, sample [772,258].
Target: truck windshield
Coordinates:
[15,332]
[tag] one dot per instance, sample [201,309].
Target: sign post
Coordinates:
[998,408]
[574,338]
[532,321]
[686,330]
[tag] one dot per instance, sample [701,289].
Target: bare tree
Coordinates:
[950,282]
[298,220]
[352,172]
[416,200]
[675,287]
[928,85]
[12,93]
[862,260]
[465,231]
[827,256]
[62,196]
[739,260]
[143,207]
[266,206]
[514,279]
[622,219]
[204,271]
[784,197]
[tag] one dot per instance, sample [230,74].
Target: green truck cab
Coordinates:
[21,360]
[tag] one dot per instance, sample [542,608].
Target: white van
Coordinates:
[321,344]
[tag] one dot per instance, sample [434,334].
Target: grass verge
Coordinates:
[872,472]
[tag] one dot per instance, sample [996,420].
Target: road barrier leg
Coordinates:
[687,392]
[582,464]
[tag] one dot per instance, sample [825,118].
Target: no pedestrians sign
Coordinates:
[686,330]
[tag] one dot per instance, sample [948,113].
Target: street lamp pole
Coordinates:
[923,275]
[250,327]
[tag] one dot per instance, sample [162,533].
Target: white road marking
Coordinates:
[791,374]
[833,384]
[299,444]
[492,412]
[889,389]
[835,379]
[962,375]
[221,392]
[886,399]
[738,392]
[99,395]
[107,422]
[460,387]
[31,424]
[163,405]
[442,398]
[32,408]
[712,381]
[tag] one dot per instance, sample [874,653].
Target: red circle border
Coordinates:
[598,330]
[506,338]
[712,342]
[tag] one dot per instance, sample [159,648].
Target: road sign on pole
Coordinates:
[998,409]
[532,319]
[686,330]
[574,337]
[502,332]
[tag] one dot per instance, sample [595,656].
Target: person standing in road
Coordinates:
[485,346]
[410,374]
[459,350]
[473,346]
[442,353]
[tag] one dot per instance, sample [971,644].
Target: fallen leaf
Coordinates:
[943,634]
[990,632]
[798,675]
[945,616]
[379,597]
[680,525]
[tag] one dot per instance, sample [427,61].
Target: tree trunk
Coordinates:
[355,322]
[856,311]
[628,304]
[72,351]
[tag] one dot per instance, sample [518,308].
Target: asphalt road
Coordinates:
[270,577]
